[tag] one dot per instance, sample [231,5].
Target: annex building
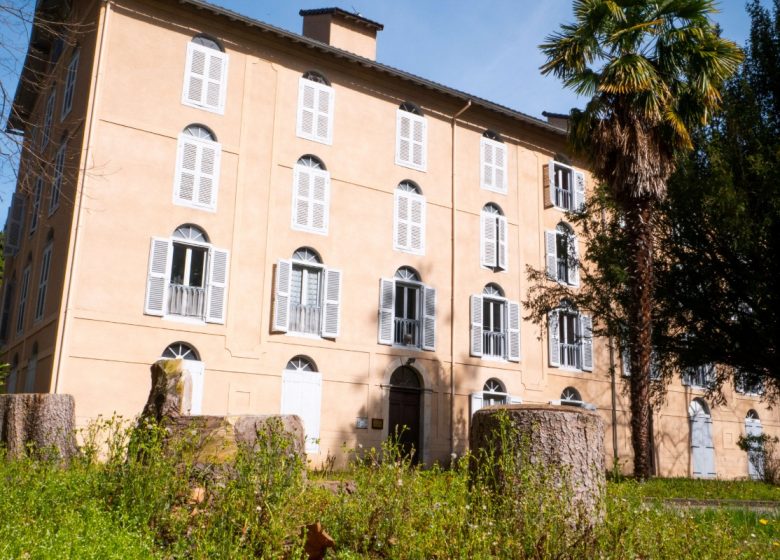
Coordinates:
[312,231]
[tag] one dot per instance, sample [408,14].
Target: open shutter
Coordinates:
[187,170]
[513,332]
[331,323]
[15,224]
[301,203]
[586,328]
[488,242]
[157,279]
[573,270]
[429,318]
[579,191]
[550,247]
[549,184]
[218,277]
[281,321]
[302,395]
[386,310]
[476,327]
[401,221]
[502,245]
[553,344]
[476,402]
[417,224]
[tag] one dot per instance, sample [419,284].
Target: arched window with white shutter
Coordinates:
[205,75]
[307,296]
[311,195]
[562,260]
[407,311]
[187,277]
[302,395]
[495,325]
[492,163]
[193,365]
[411,142]
[197,168]
[316,99]
[493,239]
[409,218]
[570,338]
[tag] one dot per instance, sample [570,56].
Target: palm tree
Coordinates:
[652,71]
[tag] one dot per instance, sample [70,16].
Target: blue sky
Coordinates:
[487,48]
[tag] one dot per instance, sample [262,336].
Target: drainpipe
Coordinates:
[452,284]
[610,343]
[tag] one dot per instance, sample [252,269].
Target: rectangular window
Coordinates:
[315,111]
[70,84]
[36,207]
[56,186]
[305,300]
[187,289]
[411,140]
[14,224]
[43,282]
[407,315]
[205,78]
[565,187]
[701,377]
[568,325]
[493,165]
[8,299]
[494,328]
[570,340]
[48,118]
[25,287]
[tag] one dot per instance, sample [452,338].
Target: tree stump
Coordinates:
[565,442]
[39,422]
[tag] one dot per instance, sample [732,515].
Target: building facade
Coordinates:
[313,232]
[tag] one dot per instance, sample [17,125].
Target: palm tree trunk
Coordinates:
[641,281]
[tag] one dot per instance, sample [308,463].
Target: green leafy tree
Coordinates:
[652,71]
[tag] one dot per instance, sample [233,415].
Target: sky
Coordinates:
[487,48]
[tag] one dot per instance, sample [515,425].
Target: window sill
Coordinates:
[217,110]
[310,336]
[409,251]
[186,204]
[185,320]
[410,165]
[296,227]
[326,141]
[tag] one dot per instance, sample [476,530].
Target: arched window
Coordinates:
[570,395]
[493,175]
[495,325]
[570,338]
[564,186]
[316,99]
[181,351]
[187,276]
[702,448]
[307,297]
[311,195]
[494,232]
[409,218]
[405,377]
[562,255]
[407,314]
[301,363]
[316,77]
[302,395]
[494,392]
[756,452]
[196,182]
[205,76]
[411,137]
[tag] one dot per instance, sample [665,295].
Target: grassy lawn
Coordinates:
[709,489]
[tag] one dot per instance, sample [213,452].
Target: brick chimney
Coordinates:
[343,30]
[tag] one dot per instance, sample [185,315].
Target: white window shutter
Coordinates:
[197,371]
[386,310]
[197,172]
[302,395]
[325,103]
[553,344]
[311,199]
[550,185]
[493,165]
[476,327]
[320,205]
[315,111]
[307,98]
[401,221]
[513,332]
[186,170]
[500,168]
[419,142]
[502,242]
[43,282]
[551,250]
[411,140]
[488,242]
[194,75]
[205,78]
[429,318]
[157,279]
[208,181]
[331,322]
[573,268]
[625,359]
[281,320]
[216,306]
[476,402]
[70,83]
[15,224]
[301,203]
[586,329]
[417,224]
[579,191]
[216,80]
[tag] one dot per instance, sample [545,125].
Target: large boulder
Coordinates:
[40,423]
[565,443]
[171,392]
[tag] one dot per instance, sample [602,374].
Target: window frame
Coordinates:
[492,219]
[206,51]
[582,336]
[200,144]
[496,145]
[411,199]
[414,118]
[70,85]
[59,172]
[319,88]
[43,282]
[298,169]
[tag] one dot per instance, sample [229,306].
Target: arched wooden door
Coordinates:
[406,411]
[702,449]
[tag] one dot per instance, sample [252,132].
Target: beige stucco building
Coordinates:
[312,231]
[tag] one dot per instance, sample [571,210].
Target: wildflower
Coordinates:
[399,482]
[763,521]
[775,543]
[753,535]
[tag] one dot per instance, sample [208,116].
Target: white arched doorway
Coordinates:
[702,449]
[755,453]
[191,364]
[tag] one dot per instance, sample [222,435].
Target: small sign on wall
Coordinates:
[377,423]
[361,423]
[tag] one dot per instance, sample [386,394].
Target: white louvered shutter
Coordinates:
[15,224]
[157,279]
[550,185]
[488,242]
[573,269]
[476,327]
[429,318]
[579,191]
[401,221]
[331,322]
[302,395]
[553,344]
[218,285]
[710,449]
[493,165]
[551,251]
[386,310]
[476,402]
[205,78]
[281,320]
[411,140]
[43,283]
[311,199]
[586,328]
[502,246]
[417,224]
[48,118]
[513,332]
[315,111]
[197,172]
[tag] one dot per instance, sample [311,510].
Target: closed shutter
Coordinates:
[302,395]
[488,242]
[218,285]
[476,327]
[573,270]
[401,222]
[409,223]
[47,119]
[157,280]
[331,323]
[514,331]
[709,463]
[411,140]
[551,251]
[197,172]
[386,310]
[15,224]
[36,207]
[315,111]
[579,191]
[553,344]
[205,78]
[493,165]
[311,199]
[755,452]
[70,83]
[281,320]
[56,186]
[43,282]
[417,224]
[23,299]
[476,402]
[429,318]
[502,245]
[586,327]
[625,360]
